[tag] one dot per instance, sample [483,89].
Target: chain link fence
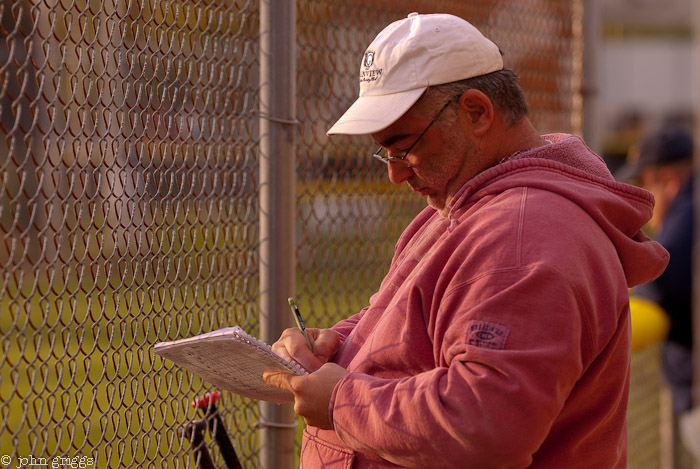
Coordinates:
[129,199]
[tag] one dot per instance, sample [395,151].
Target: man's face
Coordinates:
[440,162]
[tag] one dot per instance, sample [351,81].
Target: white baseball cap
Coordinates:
[405,59]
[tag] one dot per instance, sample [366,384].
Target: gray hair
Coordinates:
[501,87]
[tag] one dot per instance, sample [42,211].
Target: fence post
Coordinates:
[589,86]
[277,207]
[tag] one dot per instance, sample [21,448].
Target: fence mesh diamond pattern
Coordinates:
[129,199]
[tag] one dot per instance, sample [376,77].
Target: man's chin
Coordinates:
[438,204]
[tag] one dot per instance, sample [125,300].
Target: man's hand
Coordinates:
[292,344]
[312,393]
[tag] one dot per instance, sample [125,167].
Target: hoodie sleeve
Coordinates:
[504,378]
[345,327]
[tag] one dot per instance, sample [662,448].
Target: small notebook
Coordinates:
[232,360]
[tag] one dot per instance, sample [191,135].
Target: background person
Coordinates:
[500,334]
[663,164]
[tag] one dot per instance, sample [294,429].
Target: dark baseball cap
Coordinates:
[666,146]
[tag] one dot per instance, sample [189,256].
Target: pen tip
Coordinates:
[291,301]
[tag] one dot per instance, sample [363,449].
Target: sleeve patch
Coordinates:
[487,334]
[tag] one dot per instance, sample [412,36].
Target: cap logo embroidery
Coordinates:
[487,335]
[369,59]
[368,75]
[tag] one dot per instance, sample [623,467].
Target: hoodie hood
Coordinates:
[570,169]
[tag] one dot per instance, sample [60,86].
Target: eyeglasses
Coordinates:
[402,159]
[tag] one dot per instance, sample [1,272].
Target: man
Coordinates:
[500,335]
[663,165]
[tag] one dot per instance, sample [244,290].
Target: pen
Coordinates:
[300,322]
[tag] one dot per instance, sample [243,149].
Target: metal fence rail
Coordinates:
[129,199]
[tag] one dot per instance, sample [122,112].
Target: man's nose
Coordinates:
[398,172]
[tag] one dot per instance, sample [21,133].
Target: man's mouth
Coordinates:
[421,190]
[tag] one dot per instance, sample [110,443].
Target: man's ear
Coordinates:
[478,109]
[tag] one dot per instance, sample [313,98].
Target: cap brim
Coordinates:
[370,114]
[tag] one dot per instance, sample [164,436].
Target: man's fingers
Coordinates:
[278,379]
[293,345]
[326,343]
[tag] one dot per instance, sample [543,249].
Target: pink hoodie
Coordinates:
[500,337]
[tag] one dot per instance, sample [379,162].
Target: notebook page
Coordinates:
[232,360]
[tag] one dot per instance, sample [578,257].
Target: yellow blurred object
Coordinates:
[650,323]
